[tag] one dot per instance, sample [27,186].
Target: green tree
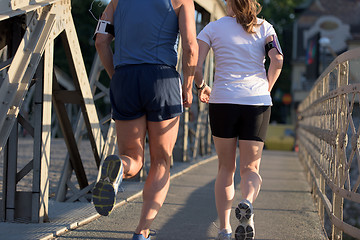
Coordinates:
[281,13]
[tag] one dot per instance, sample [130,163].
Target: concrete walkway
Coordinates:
[283,210]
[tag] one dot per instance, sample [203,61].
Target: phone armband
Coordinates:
[273,44]
[104,27]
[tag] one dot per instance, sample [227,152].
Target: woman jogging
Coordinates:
[239,104]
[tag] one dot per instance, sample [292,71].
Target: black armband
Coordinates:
[273,44]
[104,27]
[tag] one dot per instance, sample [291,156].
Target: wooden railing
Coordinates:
[328,137]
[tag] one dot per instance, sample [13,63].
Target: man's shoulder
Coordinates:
[180,5]
[182,2]
[186,1]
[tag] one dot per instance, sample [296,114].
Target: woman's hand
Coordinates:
[204,94]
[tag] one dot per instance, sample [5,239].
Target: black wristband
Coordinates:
[203,85]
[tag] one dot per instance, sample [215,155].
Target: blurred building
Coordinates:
[323,30]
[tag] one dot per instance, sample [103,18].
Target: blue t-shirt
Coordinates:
[145,32]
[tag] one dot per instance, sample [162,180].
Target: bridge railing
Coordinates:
[328,137]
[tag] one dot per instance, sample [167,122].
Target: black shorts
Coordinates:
[246,122]
[146,89]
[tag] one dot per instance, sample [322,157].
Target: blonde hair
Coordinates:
[246,12]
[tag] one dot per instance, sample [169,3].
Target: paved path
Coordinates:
[283,210]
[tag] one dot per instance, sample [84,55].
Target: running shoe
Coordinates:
[245,214]
[224,235]
[141,237]
[109,178]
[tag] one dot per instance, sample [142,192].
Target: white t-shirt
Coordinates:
[240,75]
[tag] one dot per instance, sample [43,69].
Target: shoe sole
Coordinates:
[243,212]
[104,193]
[244,231]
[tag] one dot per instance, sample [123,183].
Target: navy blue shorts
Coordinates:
[146,89]
[246,122]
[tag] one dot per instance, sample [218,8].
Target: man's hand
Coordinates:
[187,97]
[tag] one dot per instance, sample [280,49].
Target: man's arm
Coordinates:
[190,48]
[103,41]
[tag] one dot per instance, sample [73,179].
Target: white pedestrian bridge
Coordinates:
[38,98]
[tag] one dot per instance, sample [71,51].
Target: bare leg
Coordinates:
[224,184]
[130,138]
[162,138]
[250,157]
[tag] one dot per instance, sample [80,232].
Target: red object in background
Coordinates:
[286,98]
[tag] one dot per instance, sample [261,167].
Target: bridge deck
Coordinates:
[283,210]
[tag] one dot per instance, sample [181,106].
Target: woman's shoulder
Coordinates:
[264,22]
[220,22]
[226,19]
[265,27]
[212,24]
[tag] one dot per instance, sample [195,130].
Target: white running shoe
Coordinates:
[109,178]
[224,234]
[245,214]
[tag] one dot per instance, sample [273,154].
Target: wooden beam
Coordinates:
[69,138]
[66,96]
[81,83]
[26,125]
[79,194]
[10,168]
[24,171]
[14,87]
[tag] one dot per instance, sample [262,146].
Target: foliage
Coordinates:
[280,13]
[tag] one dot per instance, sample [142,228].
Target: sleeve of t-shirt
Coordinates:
[269,29]
[205,34]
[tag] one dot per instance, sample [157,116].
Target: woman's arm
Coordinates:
[276,63]
[203,52]
[204,94]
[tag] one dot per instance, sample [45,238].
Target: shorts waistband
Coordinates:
[129,66]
